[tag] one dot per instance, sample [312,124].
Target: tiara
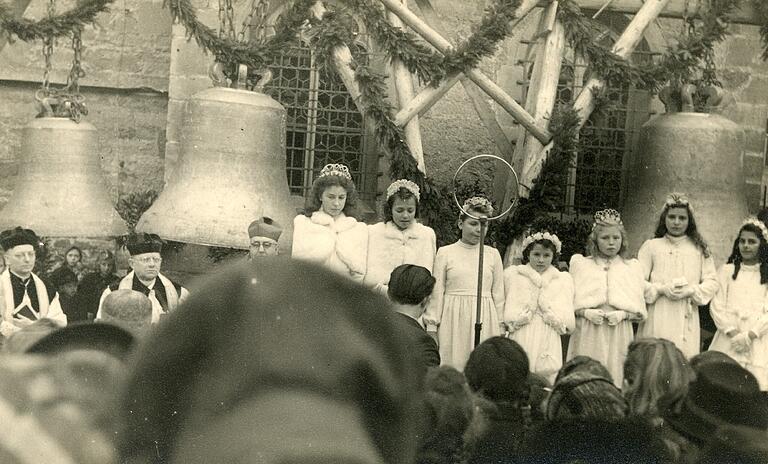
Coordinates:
[403,183]
[542,236]
[478,202]
[335,170]
[608,217]
[757,223]
[678,199]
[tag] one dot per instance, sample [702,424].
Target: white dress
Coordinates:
[543,304]
[453,305]
[664,260]
[339,243]
[389,247]
[614,284]
[741,304]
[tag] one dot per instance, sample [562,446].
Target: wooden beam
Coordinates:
[488,86]
[422,102]
[540,101]
[403,81]
[480,101]
[624,46]
[744,13]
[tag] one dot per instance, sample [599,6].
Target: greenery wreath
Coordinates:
[57,26]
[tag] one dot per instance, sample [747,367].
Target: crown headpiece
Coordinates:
[406,184]
[542,236]
[608,217]
[757,223]
[336,169]
[678,199]
[478,202]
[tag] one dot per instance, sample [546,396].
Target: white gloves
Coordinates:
[614,317]
[741,342]
[595,316]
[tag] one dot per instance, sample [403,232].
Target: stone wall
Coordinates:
[140,68]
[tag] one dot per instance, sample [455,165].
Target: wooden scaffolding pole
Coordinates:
[488,86]
[585,102]
[541,96]
[404,89]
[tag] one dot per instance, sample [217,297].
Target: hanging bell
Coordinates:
[60,191]
[231,170]
[698,154]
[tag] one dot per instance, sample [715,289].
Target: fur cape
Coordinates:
[549,294]
[389,247]
[340,243]
[617,282]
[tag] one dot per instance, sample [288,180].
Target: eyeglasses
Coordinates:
[266,245]
[149,260]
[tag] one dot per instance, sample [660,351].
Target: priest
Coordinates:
[145,277]
[24,297]
[263,234]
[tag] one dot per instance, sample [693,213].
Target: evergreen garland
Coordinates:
[761,8]
[59,25]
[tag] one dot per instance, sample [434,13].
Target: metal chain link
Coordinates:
[259,9]
[222,19]
[48,49]
[230,20]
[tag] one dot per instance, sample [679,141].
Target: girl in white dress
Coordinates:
[451,311]
[399,239]
[682,277]
[538,307]
[608,296]
[739,308]
[328,233]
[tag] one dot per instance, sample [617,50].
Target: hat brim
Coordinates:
[99,336]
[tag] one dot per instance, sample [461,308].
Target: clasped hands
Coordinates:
[677,292]
[740,341]
[598,316]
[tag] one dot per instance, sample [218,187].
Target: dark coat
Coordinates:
[426,345]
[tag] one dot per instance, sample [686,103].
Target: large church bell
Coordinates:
[231,169]
[60,190]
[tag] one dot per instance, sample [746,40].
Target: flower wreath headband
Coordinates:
[335,170]
[542,236]
[677,199]
[757,223]
[406,184]
[478,202]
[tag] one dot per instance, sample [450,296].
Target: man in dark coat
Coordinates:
[409,290]
[25,296]
[145,276]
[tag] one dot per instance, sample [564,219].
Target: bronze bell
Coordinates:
[231,170]
[60,191]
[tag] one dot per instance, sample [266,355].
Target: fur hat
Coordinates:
[140,243]
[265,227]
[18,236]
[586,395]
[722,394]
[328,376]
[498,369]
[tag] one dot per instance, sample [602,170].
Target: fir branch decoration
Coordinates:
[232,52]
[58,26]
[403,45]
[492,29]
[761,8]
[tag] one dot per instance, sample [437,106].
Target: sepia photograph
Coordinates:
[383,231]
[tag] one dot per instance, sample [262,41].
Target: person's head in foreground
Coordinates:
[129,309]
[273,361]
[656,377]
[410,285]
[582,394]
[722,394]
[593,441]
